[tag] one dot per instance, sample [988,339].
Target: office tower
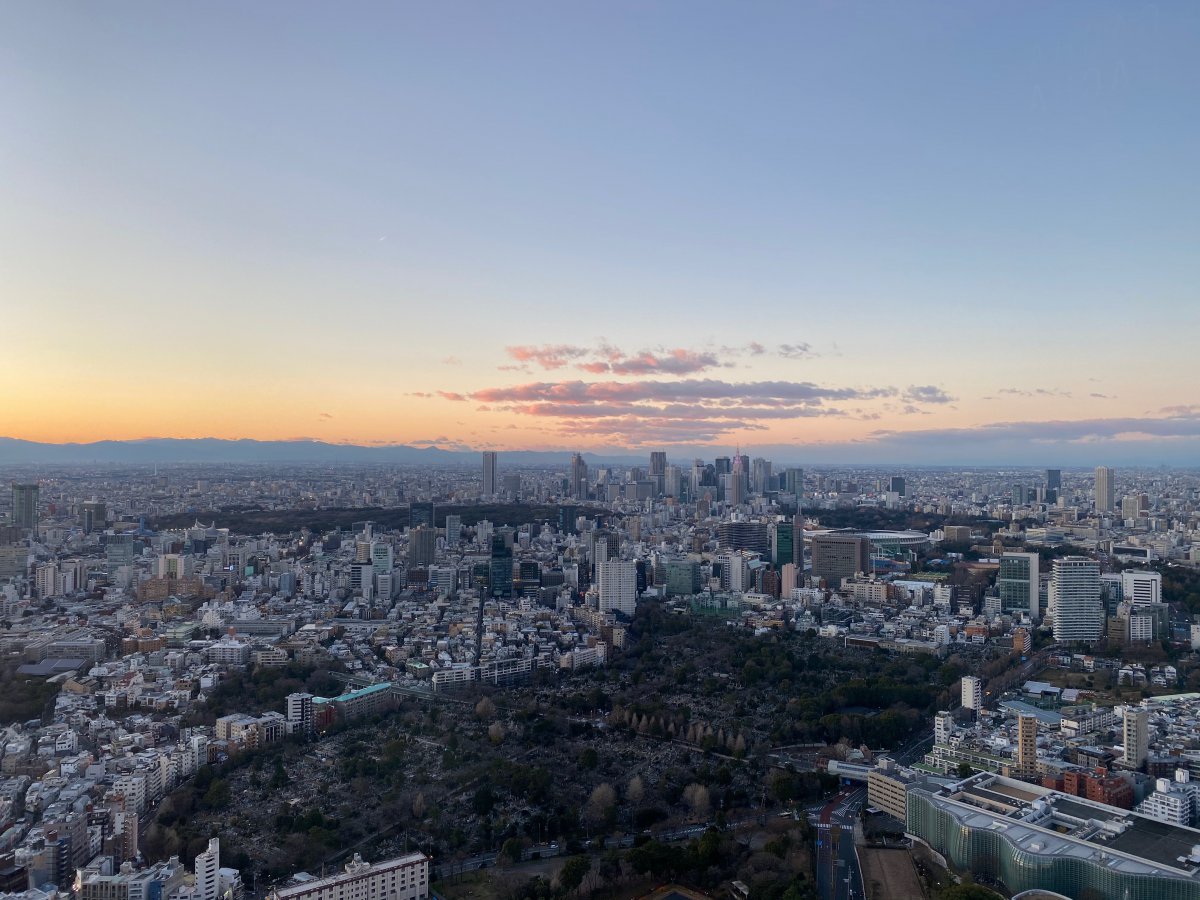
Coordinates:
[760,475]
[972,692]
[897,485]
[798,543]
[419,514]
[511,485]
[658,463]
[672,482]
[1018,495]
[453,530]
[500,567]
[1027,745]
[722,465]
[1019,583]
[753,536]
[382,557]
[208,872]
[422,546]
[568,516]
[838,556]
[489,485]
[1054,479]
[782,544]
[1135,736]
[1141,586]
[578,477]
[738,477]
[943,727]
[617,584]
[25,505]
[92,515]
[120,550]
[793,481]
[1075,599]
[788,579]
[1106,489]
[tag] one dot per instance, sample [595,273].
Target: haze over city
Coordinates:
[910,232]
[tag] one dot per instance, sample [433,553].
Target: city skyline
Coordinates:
[924,234]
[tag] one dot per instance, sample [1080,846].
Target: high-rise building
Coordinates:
[92,515]
[1018,583]
[972,692]
[420,514]
[577,478]
[783,545]
[1075,599]
[1141,586]
[453,530]
[208,871]
[500,567]
[300,713]
[897,485]
[1027,745]
[658,463]
[793,481]
[25,505]
[422,546]
[617,585]
[1018,495]
[1106,489]
[761,477]
[1135,736]
[838,556]
[1053,479]
[738,478]
[382,557]
[489,487]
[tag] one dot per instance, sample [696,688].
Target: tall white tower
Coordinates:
[1075,599]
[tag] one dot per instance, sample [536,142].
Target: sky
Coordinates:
[897,231]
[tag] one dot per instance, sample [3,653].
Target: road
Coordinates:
[838,875]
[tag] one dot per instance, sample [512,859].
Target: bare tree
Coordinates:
[485,709]
[635,791]
[599,805]
[697,799]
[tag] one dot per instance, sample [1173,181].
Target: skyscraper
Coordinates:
[578,477]
[1053,479]
[658,463]
[1106,489]
[92,515]
[793,481]
[24,505]
[1075,599]
[1018,583]
[897,485]
[617,584]
[422,546]
[500,567]
[489,486]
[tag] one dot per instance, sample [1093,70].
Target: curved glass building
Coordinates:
[1026,837]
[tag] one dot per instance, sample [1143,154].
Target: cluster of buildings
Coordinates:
[1042,791]
[135,626]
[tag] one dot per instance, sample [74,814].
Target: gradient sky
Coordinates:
[891,226]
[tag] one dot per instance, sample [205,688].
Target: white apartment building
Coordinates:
[402,878]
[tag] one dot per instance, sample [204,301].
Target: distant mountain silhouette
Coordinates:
[14,451]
